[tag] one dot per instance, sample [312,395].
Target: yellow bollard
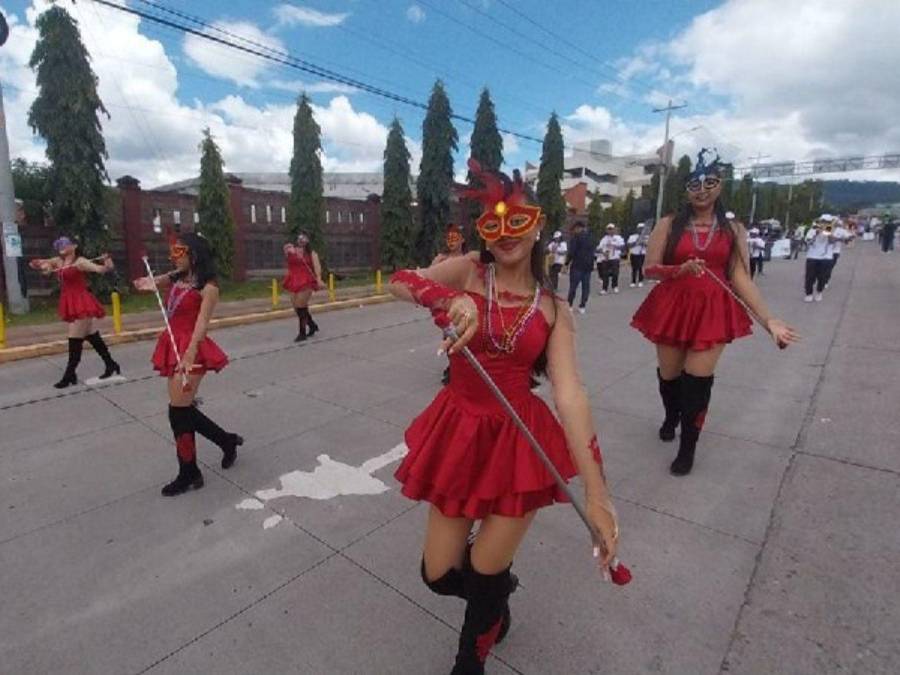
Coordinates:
[331,295]
[2,327]
[117,313]
[378,281]
[274,294]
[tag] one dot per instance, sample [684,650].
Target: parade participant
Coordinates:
[888,232]
[841,235]
[456,245]
[466,456]
[77,305]
[558,250]
[690,316]
[609,253]
[757,247]
[192,294]
[798,238]
[580,259]
[304,276]
[819,244]
[637,251]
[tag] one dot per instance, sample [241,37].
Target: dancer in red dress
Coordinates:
[466,456]
[691,316]
[304,276]
[77,305]
[191,297]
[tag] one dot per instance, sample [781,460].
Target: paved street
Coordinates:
[779,554]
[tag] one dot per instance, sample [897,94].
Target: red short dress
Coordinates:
[466,455]
[691,312]
[301,275]
[75,299]
[182,307]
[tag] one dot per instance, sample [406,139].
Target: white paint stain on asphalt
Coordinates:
[328,480]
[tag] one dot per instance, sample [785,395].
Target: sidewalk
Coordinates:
[49,338]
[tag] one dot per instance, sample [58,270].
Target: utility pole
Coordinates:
[664,165]
[787,215]
[9,231]
[755,188]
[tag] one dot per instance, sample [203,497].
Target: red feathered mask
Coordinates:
[507,212]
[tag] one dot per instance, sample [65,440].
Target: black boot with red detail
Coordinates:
[695,394]
[189,476]
[669,392]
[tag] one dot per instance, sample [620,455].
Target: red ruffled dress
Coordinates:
[75,299]
[691,312]
[301,275]
[466,455]
[183,306]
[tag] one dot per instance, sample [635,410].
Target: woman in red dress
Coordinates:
[689,315]
[191,297]
[466,456]
[456,246]
[77,305]
[303,277]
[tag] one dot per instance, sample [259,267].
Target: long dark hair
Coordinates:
[203,265]
[682,219]
[537,271]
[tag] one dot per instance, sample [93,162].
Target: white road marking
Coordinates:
[328,480]
[94,381]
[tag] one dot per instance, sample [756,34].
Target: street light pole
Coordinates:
[664,165]
[759,156]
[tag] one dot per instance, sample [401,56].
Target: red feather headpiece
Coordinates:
[507,212]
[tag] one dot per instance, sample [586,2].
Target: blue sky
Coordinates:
[752,86]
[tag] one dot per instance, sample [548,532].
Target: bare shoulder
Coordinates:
[556,311]
[210,290]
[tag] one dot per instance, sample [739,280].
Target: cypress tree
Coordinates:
[595,216]
[550,173]
[486,146]
[396,202]
[306,207]
[213,209]
[65,114]
[435,182]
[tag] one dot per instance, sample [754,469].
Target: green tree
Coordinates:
[595,216]
[213,208]
[396,202]
[743,198]
[66,115]
[550,174]
[31,184]
[306,207]
[627,221]
[486,146]
[435,182]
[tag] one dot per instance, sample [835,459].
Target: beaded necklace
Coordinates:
[709,235]
[176,296]
[510,335]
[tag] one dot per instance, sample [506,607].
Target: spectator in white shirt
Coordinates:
[608,254]
[637,250]
[840,236]
[558,249]
[757,247]
[818,257]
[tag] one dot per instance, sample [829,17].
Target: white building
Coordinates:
[591,168]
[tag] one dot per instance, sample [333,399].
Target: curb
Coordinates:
[61,346]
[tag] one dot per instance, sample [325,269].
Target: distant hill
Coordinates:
[846,195]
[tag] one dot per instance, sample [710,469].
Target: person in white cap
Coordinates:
[757,251]
[608,254]
[819,242]
[637,249]
[558,249]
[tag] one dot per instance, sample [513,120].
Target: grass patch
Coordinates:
[43,309]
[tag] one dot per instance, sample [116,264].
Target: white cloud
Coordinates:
[152,134]
[226,62]
[293,15]
[297,86]
[415,14]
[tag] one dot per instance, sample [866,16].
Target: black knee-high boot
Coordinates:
[313,326]
[669,392]
[695,396]
[189,476]
[69,377]
[487,602]
[97,342]
[452,584]
[227,441]
[301,320]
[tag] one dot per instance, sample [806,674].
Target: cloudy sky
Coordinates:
[791,80]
